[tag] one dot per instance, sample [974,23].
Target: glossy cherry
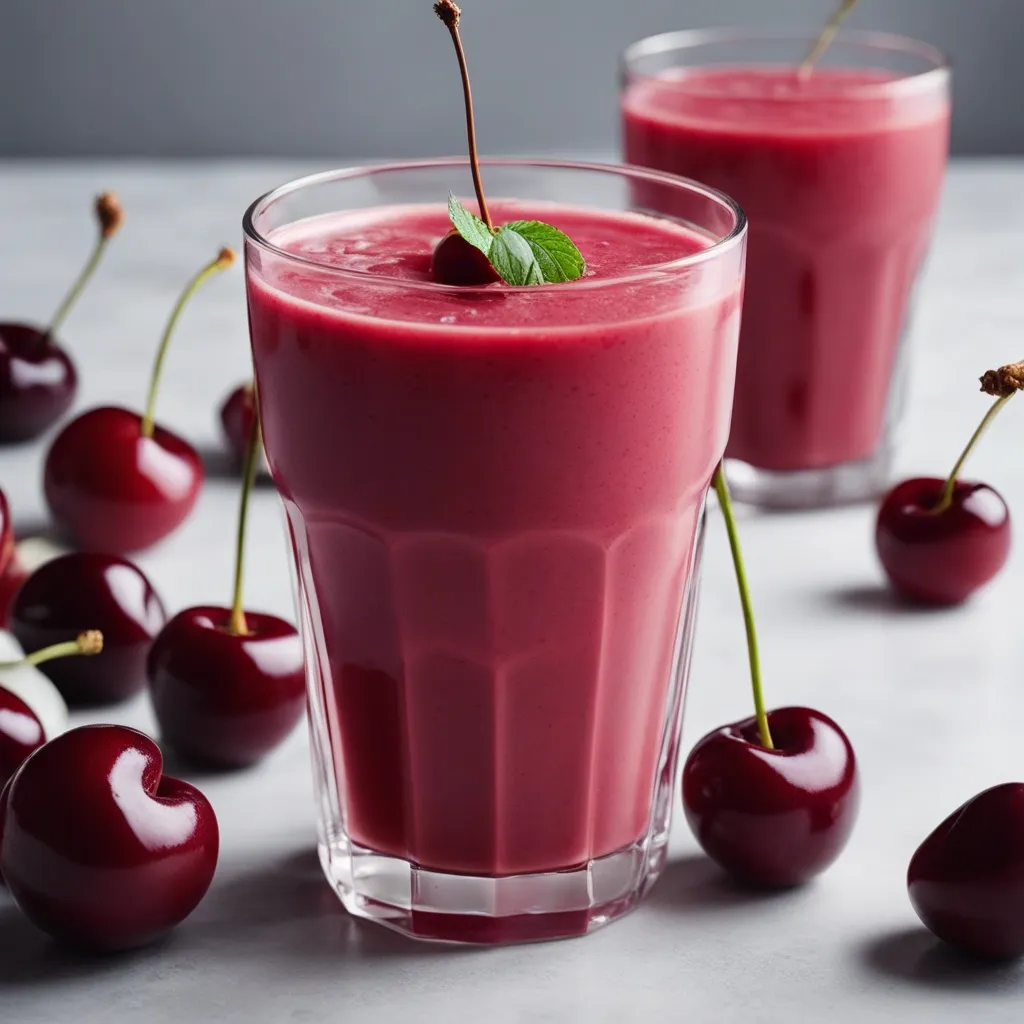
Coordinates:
[98,848]
[941,558]
[941,540]
[221,698]
[85,590]
[21,732]
[773,817]
[112,488]
[38,381]
[457,262]
[114,480]
[28,556]
[31,711]
[227,685]
[772,799]
[966,880]
[237,415]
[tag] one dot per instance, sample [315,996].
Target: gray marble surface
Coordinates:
[934,702]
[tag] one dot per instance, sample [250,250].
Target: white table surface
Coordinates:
[934,702]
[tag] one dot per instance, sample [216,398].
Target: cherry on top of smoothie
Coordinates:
[397,243]
[774,99]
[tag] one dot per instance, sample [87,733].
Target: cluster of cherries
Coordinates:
[80,810]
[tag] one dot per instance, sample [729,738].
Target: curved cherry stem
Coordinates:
[88,643]
[110,216]
[946,498]
[725,500]
[826,39]
[238,625]
[450,14]
[224,259]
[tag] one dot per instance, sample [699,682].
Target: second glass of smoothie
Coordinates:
[840,174]
[495,497]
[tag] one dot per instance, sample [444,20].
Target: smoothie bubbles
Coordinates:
[839,167]
[495,495]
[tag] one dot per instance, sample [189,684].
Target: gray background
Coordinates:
[376,78]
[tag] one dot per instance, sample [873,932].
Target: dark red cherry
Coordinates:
[38,382]
[966,880]
[21,732]
[98,848]
[224,699]
[83,591]
[236,418]
[112,489]
[773,817]
[6,534]
[457,262]
[942,558]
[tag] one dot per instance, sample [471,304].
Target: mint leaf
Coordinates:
[528,252]
[470,226]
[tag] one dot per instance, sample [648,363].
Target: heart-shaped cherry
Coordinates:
[115,481]
[227,685]
[772,799]
[98,848]
[85,590]
[458,262]
[966,880]
[24,727]
[940,541]
[37,378]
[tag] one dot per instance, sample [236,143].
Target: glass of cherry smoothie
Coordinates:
[495,498]
[840,173]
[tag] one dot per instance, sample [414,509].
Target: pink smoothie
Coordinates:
[494,497]
[840,177]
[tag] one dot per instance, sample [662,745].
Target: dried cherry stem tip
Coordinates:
[238,624]
[826,39]
[89,642]
[110,217]
[223,260]
[725,500]
[1002,385]
[450,14]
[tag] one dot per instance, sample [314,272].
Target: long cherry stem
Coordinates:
[450,14]
[224,259]
[725,500]
[946,498]
[238,625]
[826,39]
[110,216]
[89,642]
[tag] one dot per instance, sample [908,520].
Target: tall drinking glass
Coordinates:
[495,498]
[840,174]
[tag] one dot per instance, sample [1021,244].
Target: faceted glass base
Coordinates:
[472,909]
[851,483]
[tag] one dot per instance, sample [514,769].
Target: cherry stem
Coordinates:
[224,259]
[946,498]
[826,39]
[89,642]
[109,216]
[725,500]
[450,14]
[238,625]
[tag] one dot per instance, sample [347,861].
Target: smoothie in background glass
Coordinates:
[495,498]
[840,175]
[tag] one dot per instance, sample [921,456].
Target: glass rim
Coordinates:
[716,249]
[879,42]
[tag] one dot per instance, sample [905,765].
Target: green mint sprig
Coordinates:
[522,252]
